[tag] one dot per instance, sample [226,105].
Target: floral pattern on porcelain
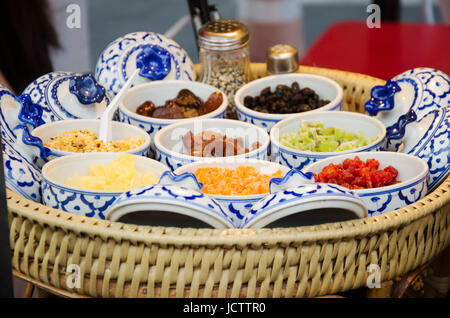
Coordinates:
[236,207]
[434,146]
[17,133]
[9,110]
[390,200]
[420,89]
[66,95]
[297,193]
[185,197]
[77,201]
[31,147]
[21,175]
[157,57]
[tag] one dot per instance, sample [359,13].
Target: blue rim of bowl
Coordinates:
[60,153]
[179,156]
[322,155]
[277,117]
[160,121]
[240,198]
[422,176]
[85,191]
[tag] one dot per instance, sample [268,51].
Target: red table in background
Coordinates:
[384,52]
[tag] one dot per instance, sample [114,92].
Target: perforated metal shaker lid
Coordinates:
[282,58]
[223,35]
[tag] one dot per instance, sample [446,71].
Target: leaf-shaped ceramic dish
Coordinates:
[307,204]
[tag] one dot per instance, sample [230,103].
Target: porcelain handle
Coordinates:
[186,180]
[293,178]
[86,89]
[154,62]
[30,147]
[29,113]
[396,132]
[382,98]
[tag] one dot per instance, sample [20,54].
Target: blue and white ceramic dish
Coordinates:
[30,147]
[372,128]
[238,206]
[157,57]
[84,202]
[9,111]
[66,95]
[171,151]
[175,196]
[420,89]
[17,133]
[19,110]
[428,139]
[412,174]
[323,86]
[21,175]
[159,92]
[306,204]
[119,132]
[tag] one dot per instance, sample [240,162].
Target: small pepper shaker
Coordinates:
[224,57]
[282,58]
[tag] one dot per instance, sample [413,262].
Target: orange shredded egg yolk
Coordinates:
[244,180]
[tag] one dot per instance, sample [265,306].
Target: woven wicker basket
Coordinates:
[120,260]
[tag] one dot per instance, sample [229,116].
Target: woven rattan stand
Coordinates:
[120,260]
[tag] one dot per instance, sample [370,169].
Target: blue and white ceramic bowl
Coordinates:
[21,175]
[420,89]
[323,86]
[90,203]
[306,204]
[119,131]
[412,174]
[428,139]
[159,92]
[176,201]
[171,151]
[157,57]
[238,206]
[372,128]
[66,95]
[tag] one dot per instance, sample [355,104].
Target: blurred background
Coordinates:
[298,22]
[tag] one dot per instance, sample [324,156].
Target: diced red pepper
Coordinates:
[357,174]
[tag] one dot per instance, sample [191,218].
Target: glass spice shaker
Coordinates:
[224,57]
